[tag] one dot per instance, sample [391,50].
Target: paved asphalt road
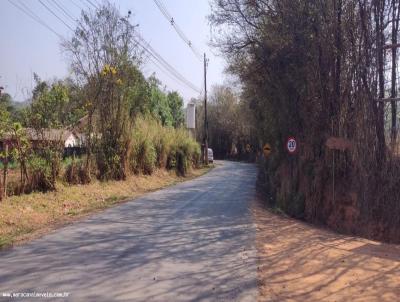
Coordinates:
[190,242]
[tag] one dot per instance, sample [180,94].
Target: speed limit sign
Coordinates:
[291,145]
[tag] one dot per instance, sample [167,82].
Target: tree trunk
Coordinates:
[393,94]
[89,145]
[338,62]
[5,171]
[1,190]
[379,18]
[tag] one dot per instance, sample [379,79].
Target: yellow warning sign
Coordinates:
[267,150]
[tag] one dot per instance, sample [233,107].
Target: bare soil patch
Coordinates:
[301,262]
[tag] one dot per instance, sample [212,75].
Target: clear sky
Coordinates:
[28,47]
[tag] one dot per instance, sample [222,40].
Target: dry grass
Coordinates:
[28,216]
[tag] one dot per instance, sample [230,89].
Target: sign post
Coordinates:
[291,147]
[267,150]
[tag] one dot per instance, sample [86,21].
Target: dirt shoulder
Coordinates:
[29,216]
[300,262]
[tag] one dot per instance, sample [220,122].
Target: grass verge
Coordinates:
[28,216]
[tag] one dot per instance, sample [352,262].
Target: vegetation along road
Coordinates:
[207,239]
[193,241]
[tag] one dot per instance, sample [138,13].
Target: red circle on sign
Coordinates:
[291,145]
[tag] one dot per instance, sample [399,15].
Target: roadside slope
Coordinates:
[300,262]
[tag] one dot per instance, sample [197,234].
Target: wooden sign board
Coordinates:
[338,143]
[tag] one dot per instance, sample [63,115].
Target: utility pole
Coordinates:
[205,113]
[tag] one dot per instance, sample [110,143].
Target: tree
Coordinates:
[103,53]
[159,105]
[21,151]
[14,109]
[315,70]
[175,103]
[49,107]
[230,127]
[6,102]
[4,129]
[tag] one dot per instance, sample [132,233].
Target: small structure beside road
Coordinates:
[70,140]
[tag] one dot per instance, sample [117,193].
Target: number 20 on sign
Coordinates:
[291,145]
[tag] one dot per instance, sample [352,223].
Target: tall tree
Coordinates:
[103,52]
[316,69]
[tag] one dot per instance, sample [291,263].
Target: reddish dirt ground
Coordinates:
[300,262]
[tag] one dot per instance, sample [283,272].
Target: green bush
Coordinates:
[111,158]
[41,175]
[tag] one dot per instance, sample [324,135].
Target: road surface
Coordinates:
[191,242]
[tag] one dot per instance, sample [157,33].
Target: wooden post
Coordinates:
[205,113]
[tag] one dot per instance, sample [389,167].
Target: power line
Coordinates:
[84,4]
[78,6]
[91,3]
[166,65]
[33,16]
[150,50]
[165,71]
[143,44]
[55,15]
[171,20]
[64,10]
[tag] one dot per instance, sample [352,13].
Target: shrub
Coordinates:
[41,175]
[145,157]
[76,173]
[164,147]
[71,174]
[181,163]
[111,158]
[184,153]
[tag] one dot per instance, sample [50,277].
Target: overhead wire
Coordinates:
[179,31]
[76,5]
[63,10]
[91,3]
[151,51]
[22,7]
[55,15]
[155,56]
[165,71]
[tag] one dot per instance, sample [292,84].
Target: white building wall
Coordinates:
[191,116]
[71,141]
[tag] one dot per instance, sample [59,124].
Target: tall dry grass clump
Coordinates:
[155,146]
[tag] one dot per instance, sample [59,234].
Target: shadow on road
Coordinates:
[194,241]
